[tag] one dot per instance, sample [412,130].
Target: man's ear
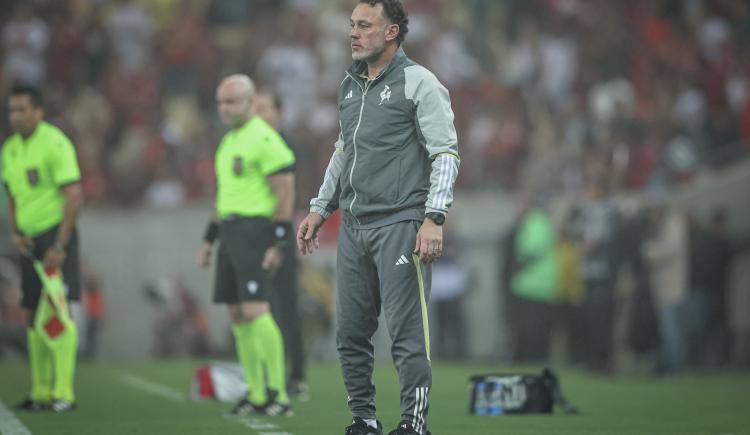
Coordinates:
[392,32]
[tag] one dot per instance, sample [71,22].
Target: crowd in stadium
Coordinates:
[641,93]
[564,96]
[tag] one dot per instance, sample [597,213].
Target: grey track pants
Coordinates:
[376,267]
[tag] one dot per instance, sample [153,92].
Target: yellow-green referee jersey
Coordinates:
[34,169]
[245,157]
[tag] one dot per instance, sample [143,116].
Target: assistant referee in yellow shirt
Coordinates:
[41,175]
[254,202]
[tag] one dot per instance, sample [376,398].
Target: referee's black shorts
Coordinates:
[239,272]
[31,285]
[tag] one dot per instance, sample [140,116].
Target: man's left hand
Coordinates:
[54,258]
[273,258]
[429,244]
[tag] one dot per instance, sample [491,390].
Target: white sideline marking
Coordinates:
[160,390]
[9,424]
[259,424]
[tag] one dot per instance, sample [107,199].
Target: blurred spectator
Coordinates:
[712,252]
[451,59]
[571,291]
[91,120]
[25,42]
[543,64]
[598,227]
[131,29]
[291,67]
[66,46]
[667,252]
[182,326]
[643,327]
[532,283]
[183,47]
[95,308]
[96,45]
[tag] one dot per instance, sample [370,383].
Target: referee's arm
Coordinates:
[73,195]
[282,186]
[54,257]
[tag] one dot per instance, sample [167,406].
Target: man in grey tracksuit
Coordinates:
[392,174]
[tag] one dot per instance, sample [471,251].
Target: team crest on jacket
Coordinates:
[385,95]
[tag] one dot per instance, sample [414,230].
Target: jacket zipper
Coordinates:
[354,142]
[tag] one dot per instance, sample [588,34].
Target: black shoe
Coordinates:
[359,427]
[405,428]
[272,408]
[277,409]
[63,406]
[298,390]
[244,407]
[32,405]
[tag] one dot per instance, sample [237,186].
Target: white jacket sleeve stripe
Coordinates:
[327,192]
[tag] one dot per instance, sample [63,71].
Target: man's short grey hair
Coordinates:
[242,80]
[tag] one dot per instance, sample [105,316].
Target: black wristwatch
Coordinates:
[438,218]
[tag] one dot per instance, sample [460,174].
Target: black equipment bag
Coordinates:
[517,394]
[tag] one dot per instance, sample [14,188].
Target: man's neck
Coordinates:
[242,123]
[28,134]
[377,66]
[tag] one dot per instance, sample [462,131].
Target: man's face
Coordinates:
[264,107]
[24,116]
[233,103]
[368,32]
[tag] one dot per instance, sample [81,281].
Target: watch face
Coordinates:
[438,218]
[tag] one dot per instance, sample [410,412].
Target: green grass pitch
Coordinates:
[151,398]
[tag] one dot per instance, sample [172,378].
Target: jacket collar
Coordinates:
[358,70]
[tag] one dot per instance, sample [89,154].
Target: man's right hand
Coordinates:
[24,244]
[204,254]
[307,233]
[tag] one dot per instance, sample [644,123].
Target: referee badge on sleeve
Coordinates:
[33,176]
[237,165]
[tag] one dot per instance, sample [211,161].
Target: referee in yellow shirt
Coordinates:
[41,175]
[254,202]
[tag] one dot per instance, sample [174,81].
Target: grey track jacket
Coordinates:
[397,155]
